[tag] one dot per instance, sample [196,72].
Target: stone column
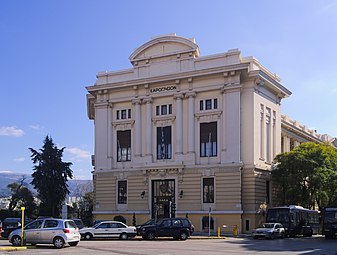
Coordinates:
[286,143]
[110,140]
[101,135]
[191,124]
[137,130]
[179,123]
[148,126]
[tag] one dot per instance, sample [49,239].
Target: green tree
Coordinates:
[307,175]
[50,177]
[86,206]
[21,196]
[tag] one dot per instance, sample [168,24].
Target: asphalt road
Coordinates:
[196,246]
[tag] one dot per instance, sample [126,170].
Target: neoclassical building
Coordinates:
[179,134]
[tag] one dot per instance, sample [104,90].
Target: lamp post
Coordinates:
[22,223]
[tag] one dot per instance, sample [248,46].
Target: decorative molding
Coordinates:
[163,120]
[178,96]
[208,115]
[148,100]
[136,101]
[191,94]
[123,124]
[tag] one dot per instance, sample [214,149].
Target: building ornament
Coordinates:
[163,120]
[136,101]
[208,115]
[123,124]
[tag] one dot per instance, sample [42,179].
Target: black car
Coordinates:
[10,224]
[149,222]
[178,228]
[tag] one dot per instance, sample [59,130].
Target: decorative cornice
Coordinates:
[136,101]
[210,115]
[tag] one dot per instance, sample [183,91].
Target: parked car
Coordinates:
[269,230]
[48,231]
[178,228]
[79,223]
[109,229]
[10,224]
[149,222]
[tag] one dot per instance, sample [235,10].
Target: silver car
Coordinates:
[109,229]
[47,231]
[269,230]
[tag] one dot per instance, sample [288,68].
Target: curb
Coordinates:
[9,248]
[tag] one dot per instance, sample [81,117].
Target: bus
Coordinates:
[296,220]
[329,219]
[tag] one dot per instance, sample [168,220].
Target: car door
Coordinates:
[33,231]
[114,229]
[176,227]
[103,230]
[120,228]
[164,229]
[49,230]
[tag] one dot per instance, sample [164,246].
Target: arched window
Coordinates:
[120,218]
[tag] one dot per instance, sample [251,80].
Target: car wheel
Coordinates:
[272,236]
[87,236]
[58,242]
[255,237]
[16,241]
[183,236]
[282,235]
[150,235]
[73,243]
[124,236]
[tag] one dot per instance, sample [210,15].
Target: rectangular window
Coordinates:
[117,114]
[157,110]
[170,108]
[129,113]
[208,190]
[208,104]
[124,145]
[122,192]
[164,110]
[201,105]
[164,145]
[123,114]
[215,103]
[208,139]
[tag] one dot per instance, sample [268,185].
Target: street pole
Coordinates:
[22,223]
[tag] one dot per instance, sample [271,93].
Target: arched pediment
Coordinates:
[164,46]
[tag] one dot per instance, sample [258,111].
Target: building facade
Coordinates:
[185,135]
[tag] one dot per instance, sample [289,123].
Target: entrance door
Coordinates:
[162,198]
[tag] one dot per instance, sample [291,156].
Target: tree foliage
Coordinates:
[307,175]
[21,196]
[50,177]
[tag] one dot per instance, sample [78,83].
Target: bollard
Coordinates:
[218,232]
[235,230]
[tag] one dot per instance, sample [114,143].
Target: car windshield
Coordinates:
[149,222]
[268,225]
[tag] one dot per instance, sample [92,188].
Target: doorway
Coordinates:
[163,198]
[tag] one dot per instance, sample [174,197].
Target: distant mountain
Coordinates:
[8,178]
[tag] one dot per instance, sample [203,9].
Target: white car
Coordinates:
[269,230]
[47,231]
[109,229]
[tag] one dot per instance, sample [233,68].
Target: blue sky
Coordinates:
[51,50]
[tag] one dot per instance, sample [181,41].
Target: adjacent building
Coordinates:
[179,134]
